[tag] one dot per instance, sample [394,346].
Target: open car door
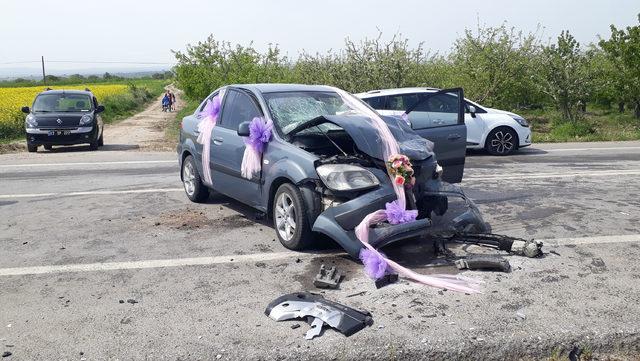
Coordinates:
[439,117]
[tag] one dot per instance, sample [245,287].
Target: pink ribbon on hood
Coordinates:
[209,119]
[372,256]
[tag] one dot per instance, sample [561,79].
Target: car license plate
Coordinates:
[59,132]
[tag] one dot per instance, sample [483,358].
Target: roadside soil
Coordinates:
[143,131]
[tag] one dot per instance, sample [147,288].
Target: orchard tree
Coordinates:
[565,75]
[623,49]
[495,66]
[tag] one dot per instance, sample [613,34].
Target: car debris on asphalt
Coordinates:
[484,262]
[319,312]
[328,277]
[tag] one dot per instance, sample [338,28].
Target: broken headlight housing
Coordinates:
[346,177]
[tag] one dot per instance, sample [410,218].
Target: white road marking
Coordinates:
[159,263]
[593,173]
[87,193]
[257,257]
[96,163]
[592,240]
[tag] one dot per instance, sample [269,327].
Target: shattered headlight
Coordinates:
[346,177]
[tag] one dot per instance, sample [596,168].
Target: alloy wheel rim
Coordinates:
[502,142]
[188,179]
[285,214]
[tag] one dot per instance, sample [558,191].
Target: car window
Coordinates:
[238,107]
[376,102]
[204,103]
[401,102]
[61,102]
[435,111]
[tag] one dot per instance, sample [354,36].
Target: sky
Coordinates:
[145,31]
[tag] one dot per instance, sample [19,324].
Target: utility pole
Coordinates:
[44,77]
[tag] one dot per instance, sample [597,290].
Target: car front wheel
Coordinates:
[289,218]
[32,148]
[193,186]
[501,141]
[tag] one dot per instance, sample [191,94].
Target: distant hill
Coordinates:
[36,73]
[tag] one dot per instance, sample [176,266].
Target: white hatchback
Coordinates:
[497,131]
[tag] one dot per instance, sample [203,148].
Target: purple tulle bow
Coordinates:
[211,108]
[259,134]
[396,214]
[374,263]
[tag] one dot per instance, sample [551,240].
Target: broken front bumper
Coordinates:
[338,222]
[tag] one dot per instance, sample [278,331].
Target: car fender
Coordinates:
[495,120]
[188,146]
[282,161]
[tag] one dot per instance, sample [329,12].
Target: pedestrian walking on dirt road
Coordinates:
[172,100]
[165,102]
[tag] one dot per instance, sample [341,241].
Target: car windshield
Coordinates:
[62,102]
[291,109]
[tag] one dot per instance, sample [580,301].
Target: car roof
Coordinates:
[272,88]
[378,92]
[64,91]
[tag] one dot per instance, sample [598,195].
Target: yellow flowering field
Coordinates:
[12,99]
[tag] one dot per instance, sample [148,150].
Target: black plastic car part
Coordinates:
[320,311]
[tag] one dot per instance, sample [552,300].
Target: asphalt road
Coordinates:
[80,231]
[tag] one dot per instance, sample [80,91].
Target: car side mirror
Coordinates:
[26,110]
[243,129]
[100,109]
[472,111]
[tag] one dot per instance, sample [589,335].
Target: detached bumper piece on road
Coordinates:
[319,312]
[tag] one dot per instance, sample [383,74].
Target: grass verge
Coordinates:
[595,125]
[173,129]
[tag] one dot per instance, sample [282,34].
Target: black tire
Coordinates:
[194,188]
[101,140]
[32,148]
[48,147]
[93,145]
[294,235]
[501,141]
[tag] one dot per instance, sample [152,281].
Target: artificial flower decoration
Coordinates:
[396,214]
[209,118]
[399,167]
[375,265]
[259,135]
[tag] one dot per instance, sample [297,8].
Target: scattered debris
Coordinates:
[387,279]
[521,315]
[132,301]
[328,277]
[518,246]
[121,301]
[294,326]
[484,262]
[321,311]
[6,354]
[361,293]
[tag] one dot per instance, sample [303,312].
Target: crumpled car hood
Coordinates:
[366,137]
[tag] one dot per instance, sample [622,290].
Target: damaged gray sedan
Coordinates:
[323,170]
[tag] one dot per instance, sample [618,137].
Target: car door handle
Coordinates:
[454,136]
[217,141]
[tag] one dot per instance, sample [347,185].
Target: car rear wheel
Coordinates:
[501,141]
[289,218]
[32,148]
[194,188]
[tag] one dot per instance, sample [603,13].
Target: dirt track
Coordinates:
[144,130]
